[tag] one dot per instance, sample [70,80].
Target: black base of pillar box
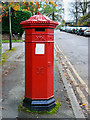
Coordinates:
[39,105]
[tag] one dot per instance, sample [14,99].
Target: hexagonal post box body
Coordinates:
[39,62]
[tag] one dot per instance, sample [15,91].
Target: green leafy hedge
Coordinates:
[17,17]
[84,20]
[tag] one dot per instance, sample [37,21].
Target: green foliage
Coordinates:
[84,20]
[5,24]
[72,24]
[58,27]
[7,41]
[16,18]
[20,16]
[7,54]
[26,110]
[51,10]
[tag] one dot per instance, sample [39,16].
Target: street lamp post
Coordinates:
[10,39]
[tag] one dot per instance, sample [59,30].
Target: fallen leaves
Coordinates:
[82,86]
[70,106]
[67,99]
[3,108]
[66,67]
[6,72]
[60,81]
[65,74]
[63,64]
[68,102]
[70,82]
[56,90]
[83,104]
[63,70]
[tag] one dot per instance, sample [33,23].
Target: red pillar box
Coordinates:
[39,62]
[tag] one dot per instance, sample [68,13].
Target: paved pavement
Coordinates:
[13,90]
[5,46]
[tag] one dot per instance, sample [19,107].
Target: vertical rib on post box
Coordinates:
[39,62]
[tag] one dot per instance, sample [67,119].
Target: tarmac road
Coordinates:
[75,47]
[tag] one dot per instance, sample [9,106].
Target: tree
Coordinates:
[21,6]
[78,8]
[16,18]
[6,11]
[83,6]
[84,20]
[51,10]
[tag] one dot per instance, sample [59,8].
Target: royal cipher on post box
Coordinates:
[39,62]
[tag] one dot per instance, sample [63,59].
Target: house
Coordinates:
[68,23]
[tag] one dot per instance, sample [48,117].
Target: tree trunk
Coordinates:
[76,12]
[53,16]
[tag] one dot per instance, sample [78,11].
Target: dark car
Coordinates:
[81,30]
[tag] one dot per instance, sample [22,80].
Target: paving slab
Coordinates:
[13,91]
[14,88]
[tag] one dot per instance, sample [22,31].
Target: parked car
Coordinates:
[77,30]
[87,31]
[61,29]
[74,29]
[68,29]
[81,30]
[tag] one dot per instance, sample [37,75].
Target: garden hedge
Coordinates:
[16,18]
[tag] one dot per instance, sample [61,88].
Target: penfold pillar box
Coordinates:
[39,62]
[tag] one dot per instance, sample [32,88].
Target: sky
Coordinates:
[66,7]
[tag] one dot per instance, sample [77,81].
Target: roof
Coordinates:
[39,19]
[70,21]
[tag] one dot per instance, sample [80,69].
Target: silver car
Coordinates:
[87,31]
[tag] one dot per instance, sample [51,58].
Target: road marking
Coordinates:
[79,78]
[82,96]
[75,106]
[77,87]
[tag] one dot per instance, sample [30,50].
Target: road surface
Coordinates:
[75,47]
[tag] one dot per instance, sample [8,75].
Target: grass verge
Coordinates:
[26,110]
[6,54]
[7,41]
